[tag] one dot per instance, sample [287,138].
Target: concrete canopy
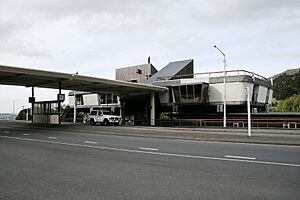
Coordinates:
[47,79]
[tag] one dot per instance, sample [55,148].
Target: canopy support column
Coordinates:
[122,110]
[152,112]
[59,103]
[32,103]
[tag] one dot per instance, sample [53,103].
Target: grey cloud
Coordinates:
[23,48]
[237,11]
[295,54]
[167,23]
[57,8]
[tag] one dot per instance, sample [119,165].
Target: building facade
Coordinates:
[189,94]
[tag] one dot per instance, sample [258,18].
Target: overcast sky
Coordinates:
[95,37]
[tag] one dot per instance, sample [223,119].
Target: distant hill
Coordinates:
[286,84]
[288,72]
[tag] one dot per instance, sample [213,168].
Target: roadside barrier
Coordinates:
[232,123]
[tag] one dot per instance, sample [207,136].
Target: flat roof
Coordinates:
[10,75]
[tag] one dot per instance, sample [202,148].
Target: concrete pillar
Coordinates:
[267,108]
[152,113]
[75,108]
[122,112]
[32,103]
[59,103]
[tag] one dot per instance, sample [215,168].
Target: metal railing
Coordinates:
[231,123]
[214,74]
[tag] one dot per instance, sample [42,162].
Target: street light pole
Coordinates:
[248,111]
[224,94]
[75,103]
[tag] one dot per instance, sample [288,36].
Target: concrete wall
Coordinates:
[71,101]
[130,73]
[270,96]
[45,119]
[90,99]
[235,92]
[260,94]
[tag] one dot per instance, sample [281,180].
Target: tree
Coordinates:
[22,114]
[286,85]
[291,104]
[67,113]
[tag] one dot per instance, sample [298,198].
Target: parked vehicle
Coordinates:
[103,117]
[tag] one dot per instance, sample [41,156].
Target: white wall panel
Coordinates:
[235,92]
[90,99]
[262,94]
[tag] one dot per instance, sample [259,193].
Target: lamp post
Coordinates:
[224,94]
[248,111]
[75,103]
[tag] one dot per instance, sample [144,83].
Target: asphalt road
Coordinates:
[45,163]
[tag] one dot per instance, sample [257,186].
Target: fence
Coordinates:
[233,123]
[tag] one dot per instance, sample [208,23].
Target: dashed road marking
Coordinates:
[53,138]
[240,157]
[147,148]
[90,142]
[26,134]
[155,153]
[6,132]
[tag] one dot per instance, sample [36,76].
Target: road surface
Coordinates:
[45,163]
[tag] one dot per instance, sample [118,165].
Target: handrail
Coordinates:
[213,73]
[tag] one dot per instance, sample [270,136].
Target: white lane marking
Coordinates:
[147,148]
[237,143]
[154,153]
[240,157]
[90,142]
[53,138]
[26,134]
[6,132]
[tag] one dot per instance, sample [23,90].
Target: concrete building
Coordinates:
[86,101]
[194,95]
[136,74]
[189,94]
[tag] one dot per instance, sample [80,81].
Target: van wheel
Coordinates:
[92,122]
[105,122]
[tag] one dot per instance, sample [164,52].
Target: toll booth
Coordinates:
[47,112]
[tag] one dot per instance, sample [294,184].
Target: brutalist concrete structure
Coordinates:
[194,95]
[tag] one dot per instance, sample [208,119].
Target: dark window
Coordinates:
[106,112]
[115,99]
[109,98]
[79,100]
[183,93]
[197,93]
[94,112]
[176,94]
[190,92]
[102,99]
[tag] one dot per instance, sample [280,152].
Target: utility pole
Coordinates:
[75,103]
[249,111]
[224,94]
